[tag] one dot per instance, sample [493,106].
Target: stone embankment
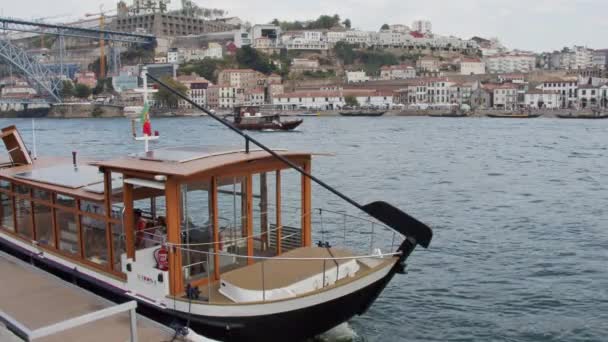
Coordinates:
[85,110]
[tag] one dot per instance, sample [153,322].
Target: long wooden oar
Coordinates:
[382,211]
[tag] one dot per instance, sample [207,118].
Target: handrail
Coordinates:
[52,329]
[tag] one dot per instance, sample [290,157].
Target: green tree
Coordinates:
[249,57]
[385,27]
[67,89]
[351,101]
[345,52]
[166,98]
[275,22]
[347,23]
[82,91]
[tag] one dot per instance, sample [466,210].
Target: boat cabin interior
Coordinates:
[113,216]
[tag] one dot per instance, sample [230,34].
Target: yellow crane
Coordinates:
[102,48]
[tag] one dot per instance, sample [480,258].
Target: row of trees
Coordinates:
[371,59]
[323,22]
[83,91]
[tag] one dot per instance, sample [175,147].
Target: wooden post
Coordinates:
[129,220]
[249,194]
[264,210]
[279,226]
[306,206]
[173,203]
[107,190]
[33,215]
[216,227]
[79,228]
[54,220]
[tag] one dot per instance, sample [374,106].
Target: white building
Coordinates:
[505,97]
[512,62]
[242,38]
[305,64]
[197,90]
[268,31]
[254,97]
[578,57]
[230,97]
[356,77]
[304,40]
[333,99]
[397,72]
[566,87]
[427,63]
[422,26]
[536,98]
[472,66]
[600,59]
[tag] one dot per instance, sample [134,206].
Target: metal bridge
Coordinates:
[47,81]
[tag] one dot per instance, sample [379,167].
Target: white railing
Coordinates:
[30,335]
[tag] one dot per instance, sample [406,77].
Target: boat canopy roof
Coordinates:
[189,161]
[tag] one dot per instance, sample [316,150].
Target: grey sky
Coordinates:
[536,25]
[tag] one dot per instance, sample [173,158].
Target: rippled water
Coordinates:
[519,209]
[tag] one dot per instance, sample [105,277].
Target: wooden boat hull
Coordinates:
[591,117]
[362,114]
[289,325]
[448,115]
[282,126]
[513,116]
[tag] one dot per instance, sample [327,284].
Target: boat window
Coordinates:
[92,207]
[231,204]
[264,213]
[22,189]
[119,245]
[6,206]
[94,237]
[65,201]
[68,231]
[196,231]
[291,212]
[24,217]
[44,224]
[42,194]
[5,185]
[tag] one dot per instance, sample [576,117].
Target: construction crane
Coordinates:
[47,18]
[102,52]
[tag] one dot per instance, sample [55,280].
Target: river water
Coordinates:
[519,210]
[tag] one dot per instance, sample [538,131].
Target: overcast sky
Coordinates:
[537,25]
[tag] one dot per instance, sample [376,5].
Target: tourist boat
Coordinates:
[218,239]
[250,118]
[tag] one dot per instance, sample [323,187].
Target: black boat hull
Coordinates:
[293,325]
[513,116]
[283,126]
[362,114]
[589,117]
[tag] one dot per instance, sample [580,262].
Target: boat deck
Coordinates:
[212,294]
[37,299]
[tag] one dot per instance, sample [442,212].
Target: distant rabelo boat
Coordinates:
[593,116]
[250,118]
[520,115]
[216,238]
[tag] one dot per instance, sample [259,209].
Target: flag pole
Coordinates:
[145,77]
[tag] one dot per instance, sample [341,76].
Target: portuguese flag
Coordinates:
[145,119]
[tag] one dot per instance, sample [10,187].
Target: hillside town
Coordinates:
[322,65]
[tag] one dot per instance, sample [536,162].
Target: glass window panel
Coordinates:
[5,185]
[44,224]
[66,201]
[196,229]
[22,189]
[24,217]
[119,244]
[6,205]
[94,237]
[68,231]
[42,194]
[93,207]
[232,221]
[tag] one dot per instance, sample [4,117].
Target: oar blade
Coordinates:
[400,221]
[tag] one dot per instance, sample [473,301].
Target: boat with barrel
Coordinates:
[221,240]
[251,118]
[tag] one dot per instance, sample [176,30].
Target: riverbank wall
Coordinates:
[85,110]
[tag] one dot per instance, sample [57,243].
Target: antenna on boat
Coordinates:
[147,130]
[415,231]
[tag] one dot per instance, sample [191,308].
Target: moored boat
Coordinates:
[593,116]
[250,118]
[211,237]
[513,115]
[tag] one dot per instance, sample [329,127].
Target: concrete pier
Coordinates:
[37,299]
